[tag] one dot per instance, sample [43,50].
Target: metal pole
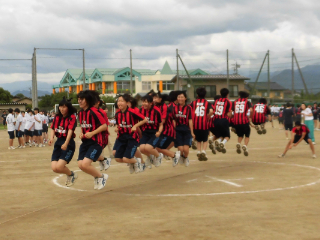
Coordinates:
[292,90]
[255,83]
[32,79]
[268,76]
[35,80]
[178,81]
[84,70]
[131,72]
[190,80]
[227,68]
[303,81]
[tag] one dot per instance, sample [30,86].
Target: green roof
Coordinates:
[166,69]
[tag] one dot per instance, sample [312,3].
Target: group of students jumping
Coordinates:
[162,122]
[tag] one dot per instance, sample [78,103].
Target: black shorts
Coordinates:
[221,128]
[243,130]
[298,117]
[116,145]
[28,133]
[4,122]
[297,138]
[19,134]
[165,142]
[44,128]
[150,138]
[65,155]
[201,135]
[212,130]
[288,126]
[258,123]
[183,137]
[11,134]
[127,146]
[37,133]
[89,149]
[280,120]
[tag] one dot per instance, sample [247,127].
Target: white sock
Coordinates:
[224,141]
[219,140]
[199,152]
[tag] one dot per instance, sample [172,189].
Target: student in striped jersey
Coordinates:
[240,108]
[202,112]
[222,111]
[182,114]
[151,131]
[212,129]
[93,141]
[127,121]
[63,127]
[260,110]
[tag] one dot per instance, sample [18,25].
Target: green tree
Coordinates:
[108,99]
[5,96]
[20,95]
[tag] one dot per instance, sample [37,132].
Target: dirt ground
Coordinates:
[228,197]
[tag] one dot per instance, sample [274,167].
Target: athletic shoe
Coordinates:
[210,141]
[131,168]
[167,158]
[211,146]
[23,146]
[137,165]
[152,159]
[213,151]
[217,144]
[203,156]
[175,159]
[314,156]
[107,163]
[264,131]
[222,145]
[186,161]
[142,167]
[71,179]
[157,161]
[19,147]
[102,181]
[148,162]
[198,154]
[245,150]
[95,186]
[313,143]
[36,145]
[259,132]
[281,155]
[101,165]
[194,145]
[238,148]
[40,145]
[223,150]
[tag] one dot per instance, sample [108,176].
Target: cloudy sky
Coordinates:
[202,30]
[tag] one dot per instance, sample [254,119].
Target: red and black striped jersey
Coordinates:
[163,109]
[200,108]
[61,125]
[126,120]
[154,119]
[104,114]
[210,123]
[221,107]
[168,127]
[260,111]
[182,115]
[90,120]
[303,129]
[240,109]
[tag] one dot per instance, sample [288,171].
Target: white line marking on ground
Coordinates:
[241,192]
[225,181]
[192,180]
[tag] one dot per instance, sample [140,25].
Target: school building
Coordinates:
[117,80]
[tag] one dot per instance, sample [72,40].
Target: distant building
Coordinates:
[25,100]
[261,90]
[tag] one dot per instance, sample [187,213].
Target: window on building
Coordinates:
[233,91]
[167,86]
[277,94]
[265,94]
[146,86]
[124,86]
[211,90]
[98,86]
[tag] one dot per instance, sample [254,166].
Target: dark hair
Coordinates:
[22,111]
[134,102]
[243,94]
[17,110]
[289,104]
[66,102]
[173,96]
[216,97]
[36,109]
[224,92]
[263,100]
[147,98]
[151,93]
[182,92]
[89,96]
[29,110]
[10,110]
[298,105]
[126,97]
[298,123]
[201,92]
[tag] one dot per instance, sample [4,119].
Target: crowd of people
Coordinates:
[147,135]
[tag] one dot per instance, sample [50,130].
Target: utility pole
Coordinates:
[255,83]
[83,70]
[131,72]
[227,68]
[178,81]
[292,72]
[301,75]
[269,77]
[35,87]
